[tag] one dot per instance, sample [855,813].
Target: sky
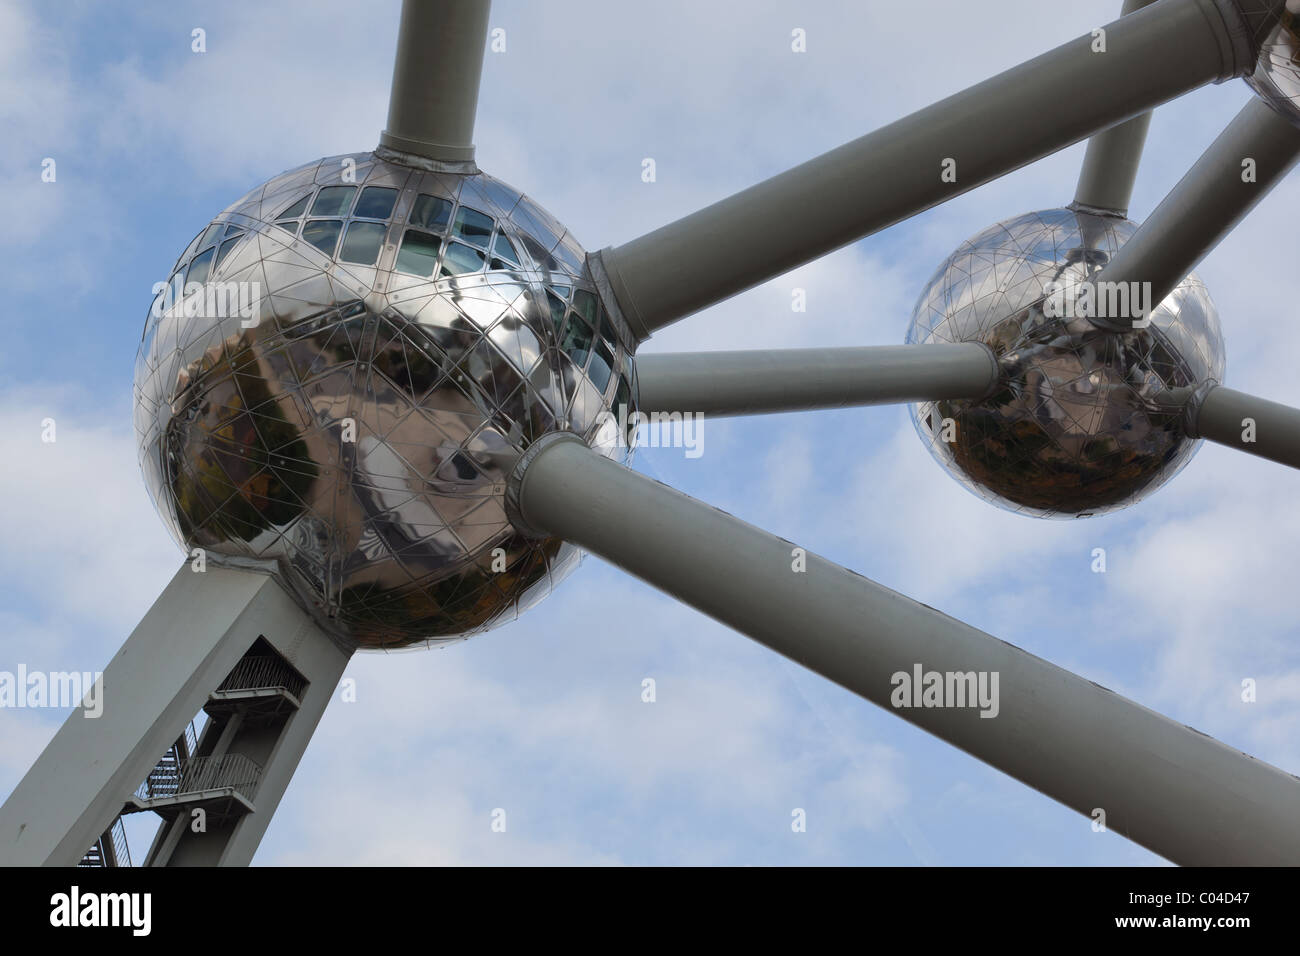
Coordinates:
[544,718]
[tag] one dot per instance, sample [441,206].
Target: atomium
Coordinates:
[388,380]
[1078,423]
[400,337]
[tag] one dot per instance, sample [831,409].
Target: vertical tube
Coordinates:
[1110,165]
[436,75]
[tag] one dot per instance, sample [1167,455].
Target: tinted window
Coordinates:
[333,201]
[419,253]
[577,338]
[297,209]
[376,202]
[474,227]
[557,310]
[623,396]
[211,233]
[363,242]
[200,266]
[225,250]
[502,248]
[585,303]
[189,250]
[431,213]
[600,368]
[461,259]
[323,234]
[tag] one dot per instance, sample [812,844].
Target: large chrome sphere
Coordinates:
[1077,425]
[1277,73]
[371,348]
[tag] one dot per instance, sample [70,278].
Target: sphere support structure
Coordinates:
[231,643]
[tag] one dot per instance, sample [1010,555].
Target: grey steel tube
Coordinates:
[1160,783]
[787,380]
[1250,424]
[1206,205]
[1110,165]
[992,128]
[436,76]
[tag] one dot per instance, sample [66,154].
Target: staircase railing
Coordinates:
[121,852]
[191,738]
[234,771]
[263,672]
[116,854]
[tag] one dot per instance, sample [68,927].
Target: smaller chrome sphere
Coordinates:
[1277,74]
[1080,422]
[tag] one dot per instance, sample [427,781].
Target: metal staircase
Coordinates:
[209,771]
[110,849]
[167,775]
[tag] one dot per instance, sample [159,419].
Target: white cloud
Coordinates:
[723,739]
[85,541]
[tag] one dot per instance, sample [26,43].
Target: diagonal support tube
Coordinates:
[190,639]
[434,97]
[1208,203]
[939,152]
[1110,165]
[1162,784]
[788,380]
[1250,424]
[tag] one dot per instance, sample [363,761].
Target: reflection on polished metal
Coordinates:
[1075,427]
[1277,76]
[403,336]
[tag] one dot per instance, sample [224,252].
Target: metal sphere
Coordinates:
[1277,72]
[1078,424]
[370,349]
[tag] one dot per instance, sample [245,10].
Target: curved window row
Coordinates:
[198,269]
[440,238]
[369,209]
[434,241]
